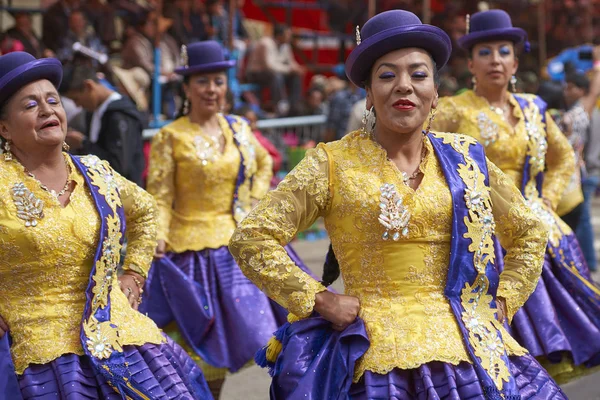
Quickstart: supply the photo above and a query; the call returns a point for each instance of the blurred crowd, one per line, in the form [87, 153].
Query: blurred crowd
[108, 50]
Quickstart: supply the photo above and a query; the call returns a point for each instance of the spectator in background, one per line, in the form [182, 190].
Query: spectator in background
[340, 108]
[138, 51]
[9, 45]
[135, 84]
[79, 32]
[314, 103]
[241, 38]
[56, 22]
[102, 18]
[115, 125]
[219, 21]
[23, 32]
[272, 64]
[580, 97]
[189, 21]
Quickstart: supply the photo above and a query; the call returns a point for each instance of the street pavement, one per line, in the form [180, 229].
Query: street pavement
[253, 382]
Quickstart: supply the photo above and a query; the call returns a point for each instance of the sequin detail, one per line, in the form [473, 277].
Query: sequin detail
[394, 215]
[488, 130]
[207, 149]
[29, 208]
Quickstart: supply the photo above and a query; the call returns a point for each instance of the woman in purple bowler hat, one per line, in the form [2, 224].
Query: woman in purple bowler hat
[206, 171]
[69, 325]
[412, 216]
[560, 323]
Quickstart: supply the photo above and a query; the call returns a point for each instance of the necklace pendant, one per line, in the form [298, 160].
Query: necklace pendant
[405, 178]
[53, 193]
[394, 215]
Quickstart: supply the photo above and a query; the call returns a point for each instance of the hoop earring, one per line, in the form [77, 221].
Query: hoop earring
[474, 82]
[513, 83]
[186, 107]
[66, 147]
[7, 153]
[431, 119]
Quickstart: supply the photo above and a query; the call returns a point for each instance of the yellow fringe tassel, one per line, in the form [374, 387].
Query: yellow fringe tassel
[274, 346]
[293, 318]
[273, 349]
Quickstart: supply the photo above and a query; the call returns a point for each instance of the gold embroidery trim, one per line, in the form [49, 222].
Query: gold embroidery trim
[103, 338]
[479, 316]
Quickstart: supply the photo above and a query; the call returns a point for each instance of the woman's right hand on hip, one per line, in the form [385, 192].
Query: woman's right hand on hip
[3, 328]
[339, 309]
[161, 247]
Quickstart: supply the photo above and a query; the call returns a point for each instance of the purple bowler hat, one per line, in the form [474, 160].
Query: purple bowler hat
[18, 69]
[394, 30]
[203, 57]
[487, 26]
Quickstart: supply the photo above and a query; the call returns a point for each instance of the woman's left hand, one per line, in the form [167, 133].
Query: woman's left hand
[130, 288]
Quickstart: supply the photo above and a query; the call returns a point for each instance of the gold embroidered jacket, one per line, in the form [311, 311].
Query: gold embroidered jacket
[45, 269]
[193, 182]
[400, 284]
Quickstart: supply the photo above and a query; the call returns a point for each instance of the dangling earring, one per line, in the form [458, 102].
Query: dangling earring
[186, 107]
[7, 153]
[513, 83]
[474, 82]
[365, 120]
[431, 118]
[66, 147]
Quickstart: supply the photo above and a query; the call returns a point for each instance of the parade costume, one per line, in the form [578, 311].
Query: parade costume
[560, 323]
[426, 279]
[197, 292]
[59, 262]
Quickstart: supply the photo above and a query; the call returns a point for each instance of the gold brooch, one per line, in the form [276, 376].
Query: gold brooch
[184, 55]
[358, 39]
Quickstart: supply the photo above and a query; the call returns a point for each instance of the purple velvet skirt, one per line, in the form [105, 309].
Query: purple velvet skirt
[163, 371]
[437, 380]
[221, 314]
[562, 316]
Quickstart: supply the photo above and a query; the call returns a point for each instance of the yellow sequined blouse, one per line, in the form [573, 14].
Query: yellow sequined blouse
[44, 269]
[400, 284]
[193, 182]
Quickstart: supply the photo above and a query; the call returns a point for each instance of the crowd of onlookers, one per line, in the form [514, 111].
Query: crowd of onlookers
[108, 49]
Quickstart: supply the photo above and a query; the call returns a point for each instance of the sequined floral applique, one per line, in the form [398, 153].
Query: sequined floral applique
[29, 208]
[102, 338]
[207, 149]
[394, 214]
[488, 130]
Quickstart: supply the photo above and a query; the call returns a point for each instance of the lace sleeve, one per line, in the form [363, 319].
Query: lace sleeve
[560, 162]
[140, 217]
[522, 235]
[261, 182]
[161, 180]
[258, 243]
